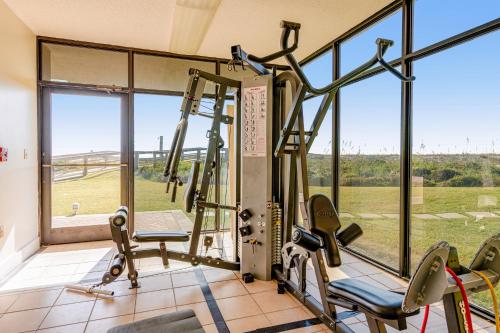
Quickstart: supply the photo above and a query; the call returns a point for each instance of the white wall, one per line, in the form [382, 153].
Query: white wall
[18, 132]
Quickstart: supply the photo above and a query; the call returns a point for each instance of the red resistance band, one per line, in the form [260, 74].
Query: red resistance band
[468, 316]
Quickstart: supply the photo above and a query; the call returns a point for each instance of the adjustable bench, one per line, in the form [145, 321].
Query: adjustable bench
[127, 253]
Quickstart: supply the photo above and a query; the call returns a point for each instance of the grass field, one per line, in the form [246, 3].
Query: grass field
[100, 193]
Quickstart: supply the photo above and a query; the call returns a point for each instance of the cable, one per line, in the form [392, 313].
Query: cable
[493, 297]
[460, 285]
[426, 317]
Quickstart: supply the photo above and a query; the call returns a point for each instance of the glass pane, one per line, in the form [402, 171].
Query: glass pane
[362, 47]
[369, 165]
[84, 125]
[155, 122]
[456, 164]
[438, 20]
[86, 157]
[171, 74]
[319, 158]
[63, 63]
[320, 70]
[84, 196]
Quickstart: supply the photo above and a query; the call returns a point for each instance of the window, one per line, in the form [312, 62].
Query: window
[155, 120]
[456, 161]
[319, 159]
[362, 47]
[369, 164]
[437, 20]
[63, 63]
[165, 73]
[320, 70]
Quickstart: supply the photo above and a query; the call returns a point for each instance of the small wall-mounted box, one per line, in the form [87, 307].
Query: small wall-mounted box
[3, 154]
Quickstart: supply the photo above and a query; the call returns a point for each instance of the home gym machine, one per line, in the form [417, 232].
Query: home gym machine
[291, 142]
[193, 197]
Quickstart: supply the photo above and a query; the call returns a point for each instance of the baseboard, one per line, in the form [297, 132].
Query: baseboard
[12, 262]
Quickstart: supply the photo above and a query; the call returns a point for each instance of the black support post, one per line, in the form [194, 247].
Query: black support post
[406, 144]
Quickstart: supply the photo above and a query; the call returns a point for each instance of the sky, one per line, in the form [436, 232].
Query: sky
[456, 96]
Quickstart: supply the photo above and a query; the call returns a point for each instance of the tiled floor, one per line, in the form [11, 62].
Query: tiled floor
[34, 300]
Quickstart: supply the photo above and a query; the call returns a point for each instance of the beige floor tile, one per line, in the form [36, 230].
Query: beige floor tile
[309, 329]
[113, 306]
[121, 288]
[201, 310]
[287, 316]
[74, 328]
[35, 300]
[184, 279]
[258, 286]
[6, 301]
[87, 267]
[188, 295]
[68, 314]
[101, 326]
[61, 270]
[270, 301]
[69, 296]
[247, 324]
[230, 288]
[365, 267]
[211, 328]
[216, 274]
[153, 313]
[155, 300]
[391, 282]
[360, 328]
[22, 321]
[238, 307]
[434, 320]
[153, 283]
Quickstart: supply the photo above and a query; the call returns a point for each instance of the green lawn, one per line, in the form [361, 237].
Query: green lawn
[100, 194]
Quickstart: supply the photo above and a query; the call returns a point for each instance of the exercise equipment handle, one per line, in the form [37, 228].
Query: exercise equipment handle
[90, 290]
[382, 46]
[287, 28]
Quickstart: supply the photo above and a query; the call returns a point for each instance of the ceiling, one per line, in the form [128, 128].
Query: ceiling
[201, 27]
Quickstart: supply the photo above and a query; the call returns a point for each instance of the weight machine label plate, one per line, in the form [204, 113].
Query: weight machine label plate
[254, 121]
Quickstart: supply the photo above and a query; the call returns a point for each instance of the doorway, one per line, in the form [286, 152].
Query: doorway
[84, 163]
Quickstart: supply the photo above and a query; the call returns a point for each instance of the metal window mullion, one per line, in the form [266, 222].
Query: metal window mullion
[130, 181]
[406, 144]
[336, 129]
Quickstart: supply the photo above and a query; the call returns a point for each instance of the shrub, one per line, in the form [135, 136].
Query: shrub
[444, 174]
[465, 181]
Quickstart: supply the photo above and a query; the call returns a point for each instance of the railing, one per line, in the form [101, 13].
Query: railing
[74, 166]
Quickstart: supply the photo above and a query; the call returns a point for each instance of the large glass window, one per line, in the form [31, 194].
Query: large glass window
[155, 120]
[319, 159]
[165, 73]
[362, 47]
[369, 164]
[456, 139]
[437, 20]
[63, 63]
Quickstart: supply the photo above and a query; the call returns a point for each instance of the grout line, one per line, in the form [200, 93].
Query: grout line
[47, 314]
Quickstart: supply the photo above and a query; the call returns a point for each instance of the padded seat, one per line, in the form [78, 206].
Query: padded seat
[379, 302]
[160, 236]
